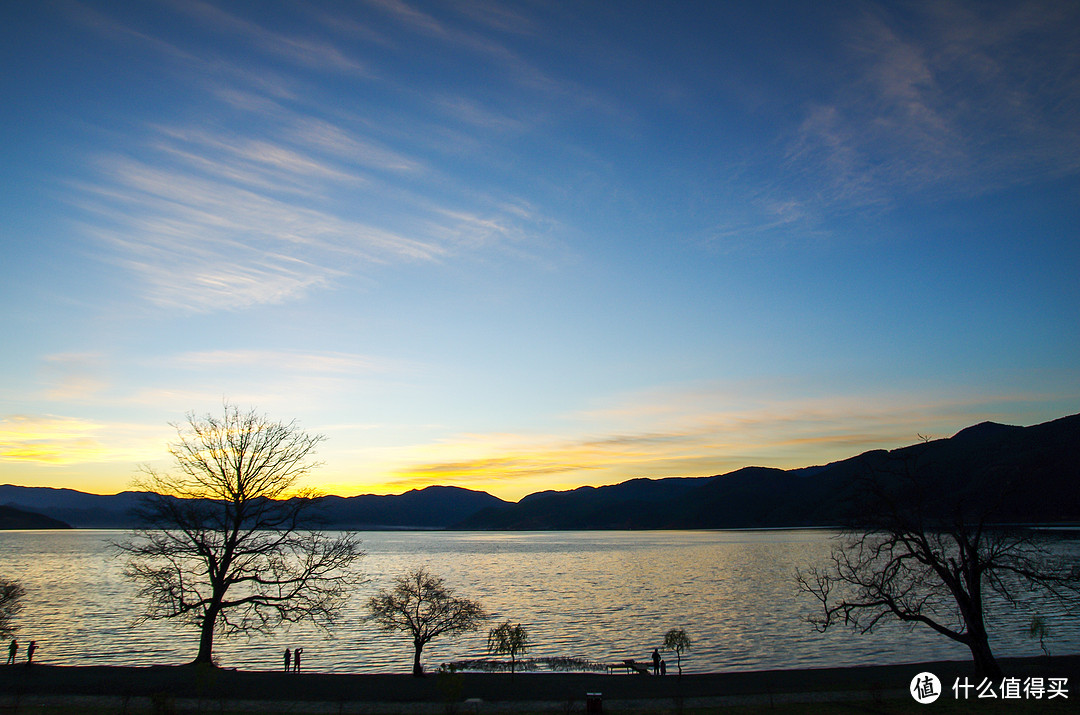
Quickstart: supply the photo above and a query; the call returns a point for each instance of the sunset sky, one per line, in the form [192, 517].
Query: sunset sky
[516, 246]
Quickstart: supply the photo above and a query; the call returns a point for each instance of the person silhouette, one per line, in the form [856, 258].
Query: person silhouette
[12, 650]
[296, 659]
[288, 659]
[656, 661]
[663, 667]
[30, 652]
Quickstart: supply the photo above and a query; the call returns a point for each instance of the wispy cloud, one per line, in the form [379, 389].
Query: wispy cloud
[270, 191]
[497, 15]
[498, 58]
[74, 377]
[56, 440]
[701, 451]
[331, 139]
[308, 384]
[695, 432]
[208, 232]
[952, 96]
[219, 73]
[316, 53]
[287, 361]
[761, 220]
[887, 129]
[476, 114]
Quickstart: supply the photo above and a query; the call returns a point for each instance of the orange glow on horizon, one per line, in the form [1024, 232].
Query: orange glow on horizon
[103, 458]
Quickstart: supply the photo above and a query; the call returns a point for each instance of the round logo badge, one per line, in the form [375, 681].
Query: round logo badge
[925, 688]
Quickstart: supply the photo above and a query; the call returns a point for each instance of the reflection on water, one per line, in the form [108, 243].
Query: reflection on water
[602, 596]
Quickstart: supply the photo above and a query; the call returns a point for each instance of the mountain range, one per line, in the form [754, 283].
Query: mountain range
[430, 508]
[1038, 466]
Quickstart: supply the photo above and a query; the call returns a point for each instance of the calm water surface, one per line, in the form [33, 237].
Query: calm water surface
[603, 596]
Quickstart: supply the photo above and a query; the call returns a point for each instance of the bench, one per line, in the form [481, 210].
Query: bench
[631, 666]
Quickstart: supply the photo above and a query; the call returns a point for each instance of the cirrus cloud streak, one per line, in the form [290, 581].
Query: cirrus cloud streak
[57, 440]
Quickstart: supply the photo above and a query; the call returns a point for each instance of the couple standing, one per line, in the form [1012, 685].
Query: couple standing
[13, 650]
[292, 660]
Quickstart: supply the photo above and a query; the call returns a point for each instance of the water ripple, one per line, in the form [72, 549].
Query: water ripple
[603, 596]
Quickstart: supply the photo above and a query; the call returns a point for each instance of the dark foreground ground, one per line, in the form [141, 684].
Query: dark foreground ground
[167, 689]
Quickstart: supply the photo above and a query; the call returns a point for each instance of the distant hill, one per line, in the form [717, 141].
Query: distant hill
[629, 505]
[430, 508]
[12, 518]
[1038, 468]
[81, 510]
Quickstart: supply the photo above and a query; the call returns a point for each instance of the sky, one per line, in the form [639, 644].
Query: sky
[517, 246]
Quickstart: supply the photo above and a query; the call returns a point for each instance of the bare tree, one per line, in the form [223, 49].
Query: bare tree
[511, 640]
[226, 544]
[11, 594]
[918, 555]
[423, 606]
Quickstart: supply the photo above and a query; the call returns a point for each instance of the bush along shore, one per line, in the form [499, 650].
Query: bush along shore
[527, 665]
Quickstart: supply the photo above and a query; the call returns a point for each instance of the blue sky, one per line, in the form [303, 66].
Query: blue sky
[516, 246]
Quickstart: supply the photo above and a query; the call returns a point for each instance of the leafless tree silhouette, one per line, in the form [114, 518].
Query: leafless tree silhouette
[227, 543]
[919, 555]
[11, 594]
[423, 606]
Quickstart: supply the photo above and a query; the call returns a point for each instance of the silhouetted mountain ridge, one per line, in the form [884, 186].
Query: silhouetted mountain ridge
[12, 518]
[986, 430]
[430, 508]
[1027, 474]
[434, 507]
[79, 509]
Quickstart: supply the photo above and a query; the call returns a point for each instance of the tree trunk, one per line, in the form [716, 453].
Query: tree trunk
[206, 636]
[985, 664]
[417, 669]
[977, 639]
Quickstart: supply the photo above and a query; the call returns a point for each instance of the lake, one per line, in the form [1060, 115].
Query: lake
[603, 596]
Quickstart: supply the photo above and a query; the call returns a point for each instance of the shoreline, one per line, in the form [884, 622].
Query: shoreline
[372, 529]
[116, 688]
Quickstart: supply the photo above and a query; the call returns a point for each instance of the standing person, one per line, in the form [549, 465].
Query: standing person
[12, 650]
[288, 660]
[296, 659]
[656, 661]
[30, 652]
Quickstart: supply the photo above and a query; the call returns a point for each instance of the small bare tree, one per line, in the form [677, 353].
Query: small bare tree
[423, 606]
[226, 544]
[918, 555]
[11, 594]
[511, 640]
[677, 640]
